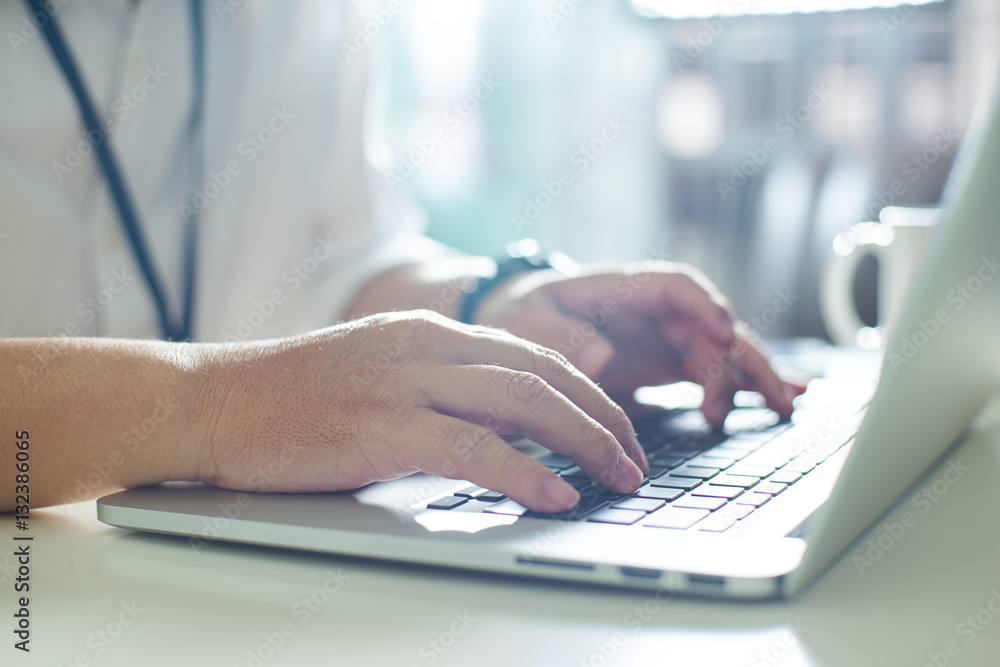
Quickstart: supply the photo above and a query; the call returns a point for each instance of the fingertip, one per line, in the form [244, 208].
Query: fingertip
[559, 495]
[594, 356]
[724, 327]
[629, 474]
[639, 458]
[716, 410]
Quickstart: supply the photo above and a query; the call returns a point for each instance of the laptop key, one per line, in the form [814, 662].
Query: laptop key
[799, 465]
[770, 488]
[784, 477]
[755, 499]
[751, 470]
[574, 471]
[446, 503]
[506, 507]
[736, 510]
[471, 491]
[700, 472]
[660, 493]
[589, 503]
[640, 504]
[711, 460]
[678, 518]
[700, 503]
[554, 460]
[742, 481]
[491, 497]
[666, 461]
[716, 523]
[619, 516]
[657, 470]
[713, 491]
[685, 453]
[669, 481]
[579, 483]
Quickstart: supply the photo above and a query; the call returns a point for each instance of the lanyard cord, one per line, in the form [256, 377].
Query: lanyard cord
[180, 331]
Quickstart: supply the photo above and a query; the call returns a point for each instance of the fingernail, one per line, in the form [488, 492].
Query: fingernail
[562, 495]
[629, 471]
[638, 455]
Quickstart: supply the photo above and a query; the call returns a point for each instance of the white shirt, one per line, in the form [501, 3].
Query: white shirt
[295, 219]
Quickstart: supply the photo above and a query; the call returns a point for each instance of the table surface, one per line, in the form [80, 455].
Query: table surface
[926, 594]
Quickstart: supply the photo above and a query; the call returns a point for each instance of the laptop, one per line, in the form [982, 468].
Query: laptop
[758, 510]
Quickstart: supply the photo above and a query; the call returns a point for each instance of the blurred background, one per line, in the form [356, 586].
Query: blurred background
[730, 134]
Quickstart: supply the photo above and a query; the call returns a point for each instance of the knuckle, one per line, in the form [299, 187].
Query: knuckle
[551, 363]
[424, 321]
[526, 388]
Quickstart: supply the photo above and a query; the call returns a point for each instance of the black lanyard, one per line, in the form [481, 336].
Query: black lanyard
[171, 329]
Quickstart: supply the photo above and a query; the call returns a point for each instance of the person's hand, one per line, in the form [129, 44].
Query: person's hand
[388, 395]
[637, 325]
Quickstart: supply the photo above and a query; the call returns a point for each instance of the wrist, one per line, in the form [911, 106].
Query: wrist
[525, 260]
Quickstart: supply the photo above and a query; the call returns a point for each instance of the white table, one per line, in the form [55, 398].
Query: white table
[104, 596]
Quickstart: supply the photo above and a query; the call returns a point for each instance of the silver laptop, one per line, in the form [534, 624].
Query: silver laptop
[757, 511]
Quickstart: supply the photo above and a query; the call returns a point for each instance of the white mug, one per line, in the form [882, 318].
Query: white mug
[897, 242]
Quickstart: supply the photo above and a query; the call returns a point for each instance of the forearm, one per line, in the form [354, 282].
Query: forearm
[436, 285]
[101, 415]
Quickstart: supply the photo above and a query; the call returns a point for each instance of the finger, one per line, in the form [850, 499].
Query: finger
[714, 367]
[756, 374]
[458, 449]
[578, 339]
[662, 291]
[517, 354]
[505, 400]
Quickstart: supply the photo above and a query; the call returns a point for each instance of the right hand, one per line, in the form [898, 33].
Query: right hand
[388, 395]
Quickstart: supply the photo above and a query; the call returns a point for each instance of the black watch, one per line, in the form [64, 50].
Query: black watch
[522, 256]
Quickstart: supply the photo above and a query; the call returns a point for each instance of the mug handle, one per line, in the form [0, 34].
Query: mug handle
[836, 303]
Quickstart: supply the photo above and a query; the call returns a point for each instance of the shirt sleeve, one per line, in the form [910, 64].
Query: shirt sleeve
[374, 224]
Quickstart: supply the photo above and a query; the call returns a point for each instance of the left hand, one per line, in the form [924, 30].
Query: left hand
[642, 324]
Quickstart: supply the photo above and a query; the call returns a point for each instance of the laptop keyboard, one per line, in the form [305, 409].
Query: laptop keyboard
[699, 479]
